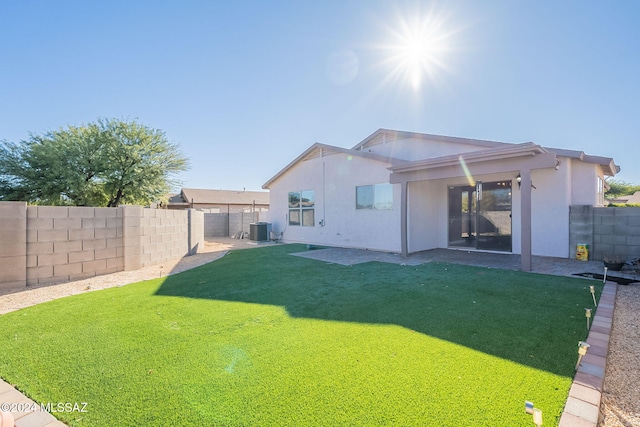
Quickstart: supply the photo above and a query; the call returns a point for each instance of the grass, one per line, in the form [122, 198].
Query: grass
[264, 338]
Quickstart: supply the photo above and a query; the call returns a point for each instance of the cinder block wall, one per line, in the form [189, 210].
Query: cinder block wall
[228, 224]
[580, 228]
[240, 222]
[42, 245]
[616, 232]
[196, 231]
[216, 224]
[608, 231]
[13, 245]
[165, 235]
[72, 243]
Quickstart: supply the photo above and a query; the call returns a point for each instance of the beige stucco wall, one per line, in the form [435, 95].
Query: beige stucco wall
[334, 179]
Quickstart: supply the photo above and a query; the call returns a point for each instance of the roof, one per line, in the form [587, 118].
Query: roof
[629, 199]
[502, 152]
[222, 197]
[388, 135]
[490, 150]
[321, 150]
[607, 164]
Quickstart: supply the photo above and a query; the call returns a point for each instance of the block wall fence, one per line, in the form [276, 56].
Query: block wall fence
[228, 224]
[42, 245]
[608, 231]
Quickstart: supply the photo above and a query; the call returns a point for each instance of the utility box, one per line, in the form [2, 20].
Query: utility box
[259, 231]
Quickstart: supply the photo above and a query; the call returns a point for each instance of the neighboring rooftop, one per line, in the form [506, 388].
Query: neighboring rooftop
[633, 199]
[197, 196]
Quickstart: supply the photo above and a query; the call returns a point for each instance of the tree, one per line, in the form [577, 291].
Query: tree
[620, 188]
[106, 163]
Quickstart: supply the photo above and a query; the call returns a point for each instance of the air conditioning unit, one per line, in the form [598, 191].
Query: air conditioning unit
[259, 231]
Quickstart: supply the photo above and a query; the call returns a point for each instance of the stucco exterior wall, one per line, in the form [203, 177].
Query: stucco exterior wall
[334, 179]
[584, 183]
[337, 222]
[550, 200]
[424, 214]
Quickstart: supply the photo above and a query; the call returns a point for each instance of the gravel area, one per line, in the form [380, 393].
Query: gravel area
[36, 295]
[620, 405]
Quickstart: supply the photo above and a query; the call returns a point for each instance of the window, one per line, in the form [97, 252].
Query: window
[378, 196]
[600, 191]
[302, 208]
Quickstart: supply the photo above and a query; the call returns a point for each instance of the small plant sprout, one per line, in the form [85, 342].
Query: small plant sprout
[592, 289]
[587, 312]
[582, 350]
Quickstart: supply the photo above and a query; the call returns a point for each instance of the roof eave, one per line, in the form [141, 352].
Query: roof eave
[501, 153]
[442, 138]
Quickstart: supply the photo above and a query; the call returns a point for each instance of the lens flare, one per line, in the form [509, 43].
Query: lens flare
[467, 173]
[417, 47]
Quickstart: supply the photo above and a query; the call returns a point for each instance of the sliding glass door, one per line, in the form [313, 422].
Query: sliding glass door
[480, 216]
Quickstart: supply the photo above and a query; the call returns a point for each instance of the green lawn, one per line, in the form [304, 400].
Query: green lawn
[262, 338]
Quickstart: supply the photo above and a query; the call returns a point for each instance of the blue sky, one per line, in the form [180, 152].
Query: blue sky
[246, 86]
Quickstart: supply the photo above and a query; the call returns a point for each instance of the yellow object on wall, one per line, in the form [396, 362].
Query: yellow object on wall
[582, 252]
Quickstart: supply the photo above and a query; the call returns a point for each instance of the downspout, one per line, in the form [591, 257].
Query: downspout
[403, 219]
[324, 211]
[525, 220]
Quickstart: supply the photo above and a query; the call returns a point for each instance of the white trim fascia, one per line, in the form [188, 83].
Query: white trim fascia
[514, 150]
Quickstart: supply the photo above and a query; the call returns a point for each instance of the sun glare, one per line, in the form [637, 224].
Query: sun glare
[417, 47]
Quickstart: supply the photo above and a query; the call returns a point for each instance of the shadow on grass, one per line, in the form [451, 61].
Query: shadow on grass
[531, 319]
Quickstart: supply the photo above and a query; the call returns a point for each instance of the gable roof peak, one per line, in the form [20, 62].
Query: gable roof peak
[383, 135]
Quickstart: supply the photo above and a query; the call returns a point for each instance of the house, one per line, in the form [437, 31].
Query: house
[408, 192]
[220, 201]
[633, 199]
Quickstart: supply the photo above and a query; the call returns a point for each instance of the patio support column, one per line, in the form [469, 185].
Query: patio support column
[403, 219]
[525, 220]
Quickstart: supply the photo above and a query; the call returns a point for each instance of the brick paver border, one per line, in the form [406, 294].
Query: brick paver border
[583, 405]
[30, 417]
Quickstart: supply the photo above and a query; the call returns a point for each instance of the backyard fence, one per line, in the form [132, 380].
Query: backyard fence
[609, 232]
[228, 224]
[42, 245]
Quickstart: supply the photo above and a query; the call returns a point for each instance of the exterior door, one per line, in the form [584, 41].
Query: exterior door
[462, 216]
[480, 216]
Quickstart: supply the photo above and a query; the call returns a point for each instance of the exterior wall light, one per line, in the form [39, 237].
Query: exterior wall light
[582, 350]
[519, 180]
